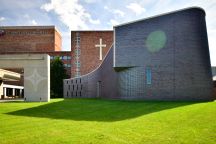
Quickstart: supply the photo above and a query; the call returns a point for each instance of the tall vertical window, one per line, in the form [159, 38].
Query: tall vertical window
[148, 75]
[77, 54]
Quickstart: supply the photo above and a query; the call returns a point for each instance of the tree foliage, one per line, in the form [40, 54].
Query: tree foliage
[57, 74]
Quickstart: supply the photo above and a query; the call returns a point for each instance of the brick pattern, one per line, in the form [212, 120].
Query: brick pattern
[28, 40]
[100, 83]
[180, 71]
[213, 70]
[89, 54]
[38, 40]
[58, 41]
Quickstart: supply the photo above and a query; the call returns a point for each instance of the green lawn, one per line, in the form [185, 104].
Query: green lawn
[95, 121]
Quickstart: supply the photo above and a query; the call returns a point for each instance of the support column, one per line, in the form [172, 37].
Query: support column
[1, 88]
[5, 91]
[20, 92]
[13, 94]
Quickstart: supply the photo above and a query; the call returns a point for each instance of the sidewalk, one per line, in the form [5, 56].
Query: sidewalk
[11, 100]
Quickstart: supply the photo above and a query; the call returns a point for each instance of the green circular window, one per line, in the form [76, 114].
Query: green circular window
[156, 40]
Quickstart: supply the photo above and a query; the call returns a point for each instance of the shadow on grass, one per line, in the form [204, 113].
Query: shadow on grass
[96, 109]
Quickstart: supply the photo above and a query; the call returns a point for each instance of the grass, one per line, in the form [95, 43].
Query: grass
[95, 121]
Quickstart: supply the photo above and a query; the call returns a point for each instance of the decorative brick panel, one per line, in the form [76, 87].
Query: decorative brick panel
[89, 54]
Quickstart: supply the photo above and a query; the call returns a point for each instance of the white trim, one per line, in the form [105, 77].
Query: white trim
[10, 72]
[56, 29]
[12, 86]
[167, 13]
[92, 31]
[114, 47]
[22, 58]
[31, 27]
[27, 27]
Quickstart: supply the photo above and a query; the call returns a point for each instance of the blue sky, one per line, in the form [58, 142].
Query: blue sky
[69, 15]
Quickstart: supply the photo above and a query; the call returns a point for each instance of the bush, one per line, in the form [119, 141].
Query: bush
[57, 74]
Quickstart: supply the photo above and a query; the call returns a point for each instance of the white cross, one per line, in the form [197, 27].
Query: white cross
[100, 46]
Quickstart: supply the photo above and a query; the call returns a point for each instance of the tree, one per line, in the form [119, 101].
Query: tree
[57, 74]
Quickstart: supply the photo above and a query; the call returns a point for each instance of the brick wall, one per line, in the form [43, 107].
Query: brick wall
[179, 71]
[33, 39]
[58, 41]
[27, 38]
[89, 54]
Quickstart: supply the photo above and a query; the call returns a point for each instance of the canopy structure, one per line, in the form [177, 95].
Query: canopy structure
[6, 75]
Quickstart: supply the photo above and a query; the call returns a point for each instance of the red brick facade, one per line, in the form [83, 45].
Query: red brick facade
[34, 39]
[86, 59]
[47, 39]
[29, 38]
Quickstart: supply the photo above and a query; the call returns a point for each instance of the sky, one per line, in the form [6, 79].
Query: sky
[69, 15]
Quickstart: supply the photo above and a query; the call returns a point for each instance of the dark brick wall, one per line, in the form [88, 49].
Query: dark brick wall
[87, 85]
[180, 70]
[213, 70]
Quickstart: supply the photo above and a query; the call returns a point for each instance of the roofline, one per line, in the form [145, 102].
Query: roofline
[27, 27]
[163, 14]
[24, 52]
[58, 31]
[31, 27]
[91, 30]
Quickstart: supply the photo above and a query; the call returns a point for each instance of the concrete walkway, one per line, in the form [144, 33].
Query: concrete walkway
[11, 100]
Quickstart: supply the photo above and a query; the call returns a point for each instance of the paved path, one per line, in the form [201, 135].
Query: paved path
[11, 100]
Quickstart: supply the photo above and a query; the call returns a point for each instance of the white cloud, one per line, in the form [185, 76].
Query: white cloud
[29, 20]
[136, 8]
[208, 5]
[115, 11]
[71, 13]
[2, 19]
[113, 22]
[26, 16]
[33, 22]
[119, 12]
[96, 22]
[48, 7]
[106, 7]
[91, 1]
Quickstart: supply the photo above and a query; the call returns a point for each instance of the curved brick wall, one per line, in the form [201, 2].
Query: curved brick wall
[173, 47]
[87, 85]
